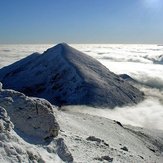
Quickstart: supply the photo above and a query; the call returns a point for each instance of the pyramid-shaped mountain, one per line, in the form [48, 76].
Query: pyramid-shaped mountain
[66, 76]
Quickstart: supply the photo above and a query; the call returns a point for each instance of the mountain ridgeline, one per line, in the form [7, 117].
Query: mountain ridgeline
[66, 76]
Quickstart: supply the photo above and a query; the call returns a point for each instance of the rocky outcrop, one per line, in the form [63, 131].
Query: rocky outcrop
[66, 76]
[31, 116]
[127, 77]
[63, 151]
[12, 148]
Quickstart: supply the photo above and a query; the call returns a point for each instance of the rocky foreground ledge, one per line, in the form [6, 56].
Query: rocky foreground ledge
[29, 130]
[32, 116]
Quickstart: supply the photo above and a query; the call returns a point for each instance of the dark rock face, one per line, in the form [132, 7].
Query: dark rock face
[93, 138]
[124, 148]
[104, 158]
[66, 76]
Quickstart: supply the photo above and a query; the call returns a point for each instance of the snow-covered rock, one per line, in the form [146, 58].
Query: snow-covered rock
[14, 149]
[65, 76]
[5, 123]
[11, 147]
[31, 116]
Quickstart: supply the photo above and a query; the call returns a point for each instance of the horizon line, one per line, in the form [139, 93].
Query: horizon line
[161, 44]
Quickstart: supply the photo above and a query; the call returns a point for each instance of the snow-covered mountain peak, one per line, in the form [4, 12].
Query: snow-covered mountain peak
[66, 76]
[61, 47]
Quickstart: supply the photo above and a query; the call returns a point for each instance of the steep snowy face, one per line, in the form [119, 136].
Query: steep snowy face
[31, 116]
[66, 76]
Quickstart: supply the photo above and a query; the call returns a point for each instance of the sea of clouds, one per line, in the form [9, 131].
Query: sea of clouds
[143, 63]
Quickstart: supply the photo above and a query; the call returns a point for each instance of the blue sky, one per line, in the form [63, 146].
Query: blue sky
[81, 21]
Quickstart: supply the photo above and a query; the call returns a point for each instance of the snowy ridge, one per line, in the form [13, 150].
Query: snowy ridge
[66, 76]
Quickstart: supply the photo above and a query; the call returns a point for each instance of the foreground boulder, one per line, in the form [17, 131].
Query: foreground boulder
[14, 149]
[31, 116]
[66, 76]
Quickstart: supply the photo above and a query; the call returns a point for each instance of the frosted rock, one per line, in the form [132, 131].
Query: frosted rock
[5, 123]
[32, 116]
[12, 148]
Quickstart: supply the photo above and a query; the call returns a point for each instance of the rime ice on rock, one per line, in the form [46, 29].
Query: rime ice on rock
[32, 116]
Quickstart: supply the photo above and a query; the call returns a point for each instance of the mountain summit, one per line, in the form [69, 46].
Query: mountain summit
[66, 76]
